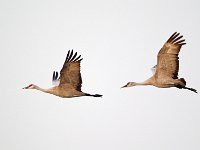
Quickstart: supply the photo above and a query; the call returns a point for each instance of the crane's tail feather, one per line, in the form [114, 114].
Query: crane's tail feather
[95, 95]
[191, 89]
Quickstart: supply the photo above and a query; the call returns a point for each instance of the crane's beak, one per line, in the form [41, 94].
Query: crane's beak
[124, 86]
[25, 88]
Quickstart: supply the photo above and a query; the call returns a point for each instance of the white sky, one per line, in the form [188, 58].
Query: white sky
[119, 41]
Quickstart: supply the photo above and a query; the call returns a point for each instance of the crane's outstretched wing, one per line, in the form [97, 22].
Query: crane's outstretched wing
[70, 72]
[167, 58]
[55, 79]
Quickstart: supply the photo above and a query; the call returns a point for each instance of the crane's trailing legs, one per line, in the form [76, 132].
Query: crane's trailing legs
[95, 95]
[191, 89]
[181, 84]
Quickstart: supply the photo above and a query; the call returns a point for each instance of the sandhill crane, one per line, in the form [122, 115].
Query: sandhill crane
[69, 82]
[166, 70]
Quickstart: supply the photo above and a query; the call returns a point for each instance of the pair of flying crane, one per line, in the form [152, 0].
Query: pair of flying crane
[69, 83]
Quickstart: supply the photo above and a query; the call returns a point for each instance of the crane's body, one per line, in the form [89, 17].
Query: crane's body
[69, 83]
[166, 70]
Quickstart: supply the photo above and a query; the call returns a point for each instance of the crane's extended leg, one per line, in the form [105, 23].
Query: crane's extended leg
[95, 95]
[191, 89]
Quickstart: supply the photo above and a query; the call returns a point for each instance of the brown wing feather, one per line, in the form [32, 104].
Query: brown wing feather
[70, 73]
[167, 59]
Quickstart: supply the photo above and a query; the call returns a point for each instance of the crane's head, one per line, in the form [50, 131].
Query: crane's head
[129, 84]
[31, 86]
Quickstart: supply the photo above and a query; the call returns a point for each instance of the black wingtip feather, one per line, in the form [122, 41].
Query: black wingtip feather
[78, 58]
[56, 77]
[53, 76]
[172, 36]
[176, 39]
[71, 54]
[72, 57]
[67, 55]
[180, 42]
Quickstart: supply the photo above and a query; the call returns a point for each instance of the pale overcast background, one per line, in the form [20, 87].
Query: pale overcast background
[119, 41]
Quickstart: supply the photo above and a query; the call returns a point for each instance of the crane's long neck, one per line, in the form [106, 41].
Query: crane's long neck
[146, 82]
[142, 83]
[43, 90]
